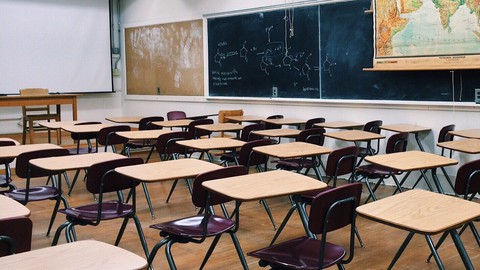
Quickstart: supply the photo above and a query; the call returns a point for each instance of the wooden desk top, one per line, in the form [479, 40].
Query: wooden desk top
[173, 123]
[221, 127]
[292, 150]
[9, 208]
[263, 185]
[339, 125]
[467, 133]
[245, 118]
[143, 134]
[405, 128]
[285, 121]
[411, 160]
[168, 170]
[81, 255]
[84, 128]
[15, 150]
[125, 119]
[278, 132]
[57, 125]
[73, 162]
[354, 135]
[469, 146]
[212, 143]
[421, 211]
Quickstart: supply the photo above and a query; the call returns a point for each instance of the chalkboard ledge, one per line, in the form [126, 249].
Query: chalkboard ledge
[420, 68]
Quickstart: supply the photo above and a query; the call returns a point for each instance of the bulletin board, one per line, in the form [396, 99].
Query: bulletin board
[165, 59]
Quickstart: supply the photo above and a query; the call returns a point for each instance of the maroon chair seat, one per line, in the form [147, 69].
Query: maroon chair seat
[24, 170]
[88, 213]
[197, 228]
[331, 210]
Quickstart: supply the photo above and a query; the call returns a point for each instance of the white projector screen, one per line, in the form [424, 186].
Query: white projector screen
[62, 45]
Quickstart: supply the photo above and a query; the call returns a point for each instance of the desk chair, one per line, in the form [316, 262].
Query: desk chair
[85, 136]
[30, 114]
[176, 115]
[369, 150]
[312, 121]
[331, 210]
[30, 193]
[144, 124]
[445, 136]
[396, 143]
[102, 180]
[273, 126]
[196, 229]
[107, 137]
[15, 235]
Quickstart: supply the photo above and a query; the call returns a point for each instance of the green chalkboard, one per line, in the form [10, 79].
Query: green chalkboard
[316, 52]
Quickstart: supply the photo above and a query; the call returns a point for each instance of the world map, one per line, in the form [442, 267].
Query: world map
[426, 32]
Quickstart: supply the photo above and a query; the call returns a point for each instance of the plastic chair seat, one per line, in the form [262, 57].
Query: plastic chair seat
[228, 157]
[307, 197]
[192, 227]
[294, 164]
[300, 253]
[39, 193]
[375, 171]
[110, 210]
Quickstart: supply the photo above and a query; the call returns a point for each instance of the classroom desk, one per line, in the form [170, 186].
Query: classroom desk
[355, 136]
[339, 125]
[469, 146]
[84, 128]
[81, 255]
[466, 133]
[125, 119]
[205, 145]
[149, 134]
[60, 164]
[203, 116]
[409, 128]
[52, 99]
[57, 126]
[245, 118]
[222, 127]
[278, 132]
[183, 123]
[10, 140]
[9, 208]
[412, 161]
[424, 212]
[15, 150]
[286, 121]
[295, 150]
[264, 185]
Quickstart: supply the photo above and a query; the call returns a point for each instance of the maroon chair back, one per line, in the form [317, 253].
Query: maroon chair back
[166, 143]
[23, 162]
[467, 181]
[107, 135]
[101, 177]
[325, 212]
[373, 126]
[312, 135]
[397, 143]
[341, 161]
[84, 136]
[273, 126]
[247, 157]
[199, 193]
[310, 122]
[176, 115]
[145, 123]
[15, 235]
[247, 136]
[444, 135]
[196, 132]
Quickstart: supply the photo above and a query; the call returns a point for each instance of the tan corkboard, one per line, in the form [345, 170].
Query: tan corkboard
[167, 56]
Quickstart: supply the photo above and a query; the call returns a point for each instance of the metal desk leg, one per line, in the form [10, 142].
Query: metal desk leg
[461, 250]
[419, 142]
[401, 249]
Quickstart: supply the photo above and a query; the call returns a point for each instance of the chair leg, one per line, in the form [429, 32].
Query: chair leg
[265, 205]
[239, 250]
[284, 222]
[121, 231]
[155, 250]
[54, 214]
[73, 182]
[58, 232]
[210, 250]
[141, 235]
[168, 253]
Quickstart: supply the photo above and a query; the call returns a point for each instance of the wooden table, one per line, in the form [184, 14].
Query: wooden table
[409, 128]
[15, 150]
[222, 127]
[183, 123]
[205, 145]
[295, 150]
[57, 126]
[412, 161]
[9, 208]
[125, 119]
[84, 128]
[245, 118]
[424, 212]
[339, 125]
[469, 146]
[286, 121]
[81, 255]
[264, 185]
[467, 133]
[354, 135]
[52, 99]
[149, 134]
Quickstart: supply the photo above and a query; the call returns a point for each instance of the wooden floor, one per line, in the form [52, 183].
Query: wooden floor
[256, 231]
